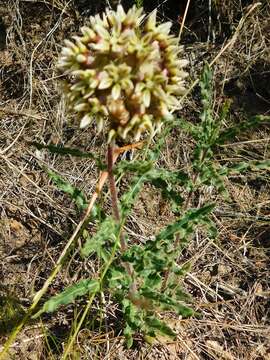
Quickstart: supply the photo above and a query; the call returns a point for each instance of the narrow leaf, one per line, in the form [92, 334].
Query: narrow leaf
[128, 198]
[160, 326]
[192, 216]
[233, 131]
[61, 150]
[69, 295]
[106, 233]
[76, 194]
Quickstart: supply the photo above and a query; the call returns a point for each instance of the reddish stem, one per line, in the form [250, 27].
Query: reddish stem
[113, 192]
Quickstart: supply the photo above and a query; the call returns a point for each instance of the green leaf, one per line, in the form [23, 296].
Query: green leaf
[167, 302]
[106, 234]
[184, 310]
[166, 181]
[192, 216]
[76, 194]
[61, 150]
[69, 295]
[209, 127]
[253, 165]
[139, 167]
[160, 326]
[210, 175]
[233, 131]
[187, 126]
[128, 333]
[132, 314]
[181, 270]
[173, 177]
[260, 165]
[128, 198]
[154, 153]
[225, 110]
[118, 280]
[152, 281]
[169, 194]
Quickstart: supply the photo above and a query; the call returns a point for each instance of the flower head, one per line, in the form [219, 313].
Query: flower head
[124, 71]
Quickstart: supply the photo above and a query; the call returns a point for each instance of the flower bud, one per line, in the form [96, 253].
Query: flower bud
[125, 71]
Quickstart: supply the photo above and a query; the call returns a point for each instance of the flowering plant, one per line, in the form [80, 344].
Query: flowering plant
[126, 69]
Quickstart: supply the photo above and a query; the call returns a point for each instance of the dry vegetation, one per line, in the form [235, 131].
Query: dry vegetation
[229, 279]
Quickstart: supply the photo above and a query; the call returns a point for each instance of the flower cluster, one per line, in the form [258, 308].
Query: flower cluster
[125, 72]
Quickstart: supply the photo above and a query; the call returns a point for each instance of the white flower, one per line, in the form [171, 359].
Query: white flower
[124, 70]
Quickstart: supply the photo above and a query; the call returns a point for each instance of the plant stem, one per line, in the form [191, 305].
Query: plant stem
[112, 155]
[116, 214]
[113, 191]
[83, 222]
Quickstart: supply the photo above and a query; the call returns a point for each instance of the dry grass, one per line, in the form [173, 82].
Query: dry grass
[229, 279]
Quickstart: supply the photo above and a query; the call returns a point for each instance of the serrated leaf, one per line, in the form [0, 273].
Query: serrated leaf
[106, 234]
[132, 314]
[69, 295]
[61, 150]
[139, 167]
[184, 310]
[245, 166]
[154, 153]
[181, 270]
[193, 130]
[75, 193]
[211, 176]
[167, 302]
[160, 326]
[129, 197]
[118, 280]
[152, 280]
[167, 187]
[194, 215]
[173, 177]
[128, 333]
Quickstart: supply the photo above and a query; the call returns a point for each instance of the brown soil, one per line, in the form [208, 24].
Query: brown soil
[229, 280]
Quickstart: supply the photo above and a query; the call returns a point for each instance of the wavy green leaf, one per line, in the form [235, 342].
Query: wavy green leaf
[62, 150]
[192, 216]
[106, 234]
[75, 193]
[69, 295]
